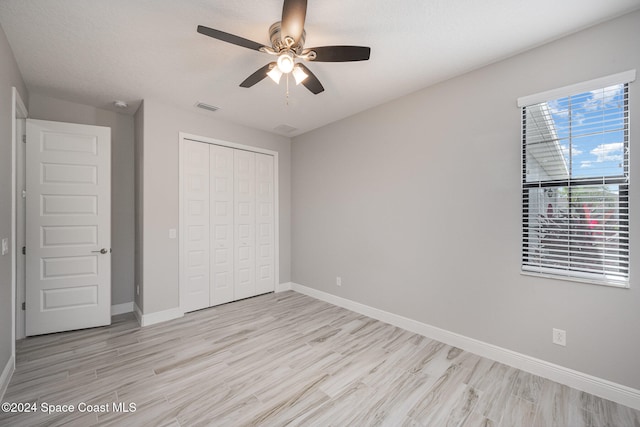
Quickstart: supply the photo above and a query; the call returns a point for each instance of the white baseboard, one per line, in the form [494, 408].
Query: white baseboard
[126, 307]
[282, 287]
[597, 386]
[157, 317]
[7, 372]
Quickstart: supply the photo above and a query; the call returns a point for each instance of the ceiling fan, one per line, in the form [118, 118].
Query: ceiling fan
[287, 44]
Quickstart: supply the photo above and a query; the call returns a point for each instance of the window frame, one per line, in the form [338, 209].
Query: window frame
[623, 181]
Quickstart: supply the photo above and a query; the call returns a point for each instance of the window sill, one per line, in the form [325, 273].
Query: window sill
[587, 278]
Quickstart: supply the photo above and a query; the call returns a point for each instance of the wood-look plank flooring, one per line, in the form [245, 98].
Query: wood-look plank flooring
[285, 359]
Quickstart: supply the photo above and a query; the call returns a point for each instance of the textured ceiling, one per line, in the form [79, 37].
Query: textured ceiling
[97, 51]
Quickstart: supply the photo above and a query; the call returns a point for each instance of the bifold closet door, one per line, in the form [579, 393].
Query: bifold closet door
[222, 224]
[265, 224]
[228, 225]
[245, 223]
[195, 293]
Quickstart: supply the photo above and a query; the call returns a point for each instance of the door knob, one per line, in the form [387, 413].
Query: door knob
[102, 251]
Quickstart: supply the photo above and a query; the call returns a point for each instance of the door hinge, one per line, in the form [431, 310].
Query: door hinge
[24, 306]
[24, 139]
[24, 250]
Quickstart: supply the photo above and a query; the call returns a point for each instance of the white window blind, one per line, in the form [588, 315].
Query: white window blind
[575, 186]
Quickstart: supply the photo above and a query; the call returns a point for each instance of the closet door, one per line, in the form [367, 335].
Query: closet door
[222, 228]
[195, 292]
[245, 222]
[265, 218]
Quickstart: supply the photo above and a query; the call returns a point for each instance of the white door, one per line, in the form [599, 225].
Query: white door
[68, 227]
[265, 219]
[245, 223]
[228, 224]
[195, 291]
[222, 248]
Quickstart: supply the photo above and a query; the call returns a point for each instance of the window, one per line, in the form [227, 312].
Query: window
[575, 182]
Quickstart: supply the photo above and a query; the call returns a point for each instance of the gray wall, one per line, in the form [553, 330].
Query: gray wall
[122, 180]
[162, 124]
[417, 205]
[9, 77]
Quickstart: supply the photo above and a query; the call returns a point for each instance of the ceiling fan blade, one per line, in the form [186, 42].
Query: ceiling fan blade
[294, 13]
[340, 53]
[311, 82]
[229, 38]
[258, 75]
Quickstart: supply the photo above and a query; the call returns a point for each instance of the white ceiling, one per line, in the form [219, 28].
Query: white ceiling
[98, 51]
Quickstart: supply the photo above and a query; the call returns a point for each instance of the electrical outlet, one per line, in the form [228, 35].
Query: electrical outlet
[338, 281]
[5, 246]
[559, 337]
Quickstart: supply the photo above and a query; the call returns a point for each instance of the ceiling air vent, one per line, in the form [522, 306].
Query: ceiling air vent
[206, 106]
[285, 129]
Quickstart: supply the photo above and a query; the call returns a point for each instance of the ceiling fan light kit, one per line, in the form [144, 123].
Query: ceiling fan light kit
[285, 61]
[275, 74]
[287, 43]
[299, 74]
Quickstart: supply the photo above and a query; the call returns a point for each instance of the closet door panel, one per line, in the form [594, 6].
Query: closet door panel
[222, 224]
[265, 217]
[196, 216]
[245, 223]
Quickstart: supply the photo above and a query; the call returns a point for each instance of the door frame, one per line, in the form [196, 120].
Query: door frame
[276, 226]
[18, 112]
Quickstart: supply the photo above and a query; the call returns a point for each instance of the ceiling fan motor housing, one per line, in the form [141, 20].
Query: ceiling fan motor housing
[275, 35]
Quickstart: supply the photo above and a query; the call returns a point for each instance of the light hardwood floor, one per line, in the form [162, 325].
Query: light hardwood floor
[285, 359]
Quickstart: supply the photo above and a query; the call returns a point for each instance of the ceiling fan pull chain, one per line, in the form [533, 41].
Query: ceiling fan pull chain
[287, 100]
